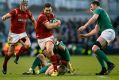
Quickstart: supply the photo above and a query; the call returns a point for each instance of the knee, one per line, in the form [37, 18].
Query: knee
[95, 48]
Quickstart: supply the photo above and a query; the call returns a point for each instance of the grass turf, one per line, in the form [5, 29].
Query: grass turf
[85, 69]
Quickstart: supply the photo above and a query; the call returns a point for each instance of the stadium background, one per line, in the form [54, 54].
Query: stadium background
[73, 14]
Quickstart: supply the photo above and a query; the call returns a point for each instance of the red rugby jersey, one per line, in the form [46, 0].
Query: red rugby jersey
[41, 30]
[18, 20]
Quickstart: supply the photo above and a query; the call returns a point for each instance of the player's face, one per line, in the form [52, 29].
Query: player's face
[48, 10]
[92, 7]
[24, 7]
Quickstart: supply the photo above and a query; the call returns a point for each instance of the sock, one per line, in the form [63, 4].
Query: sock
[43, 69]
[69, 66]
[102, 55]
[22, 49]
[101, 61]
[53, 59]
[36, 63]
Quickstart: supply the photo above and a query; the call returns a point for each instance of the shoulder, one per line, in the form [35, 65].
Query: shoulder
[42, 16]
[97, 11]
[14, 11]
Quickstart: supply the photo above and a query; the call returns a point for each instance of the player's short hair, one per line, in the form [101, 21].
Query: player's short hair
[24, 2]
[96, 3]
[62, 69]
[47, 5]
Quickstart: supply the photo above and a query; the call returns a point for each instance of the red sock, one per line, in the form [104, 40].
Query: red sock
[53, 59]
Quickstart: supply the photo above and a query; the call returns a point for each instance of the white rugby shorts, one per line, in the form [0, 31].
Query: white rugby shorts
[14, 38]
[42, 42]
[108, 35]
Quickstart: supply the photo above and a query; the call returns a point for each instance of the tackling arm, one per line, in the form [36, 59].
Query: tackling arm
[91, 20]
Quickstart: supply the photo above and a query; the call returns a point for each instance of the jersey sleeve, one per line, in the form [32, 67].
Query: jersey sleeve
[42, 19]
[13, 12]
[97, 11]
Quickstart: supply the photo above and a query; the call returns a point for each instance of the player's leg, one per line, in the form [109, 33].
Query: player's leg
[36, 62]
[53, 58]
[95, 49]
[106, 37]
[7, 57]
[101, 56]
[26, 44]
[39, 61]
[49, 69]
[43, 69]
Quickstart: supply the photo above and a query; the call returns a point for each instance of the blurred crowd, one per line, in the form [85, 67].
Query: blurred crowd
[68, 34]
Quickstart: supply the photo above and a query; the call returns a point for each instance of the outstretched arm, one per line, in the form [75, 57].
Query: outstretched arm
[90, 21]
[6, 16]
[94, 31]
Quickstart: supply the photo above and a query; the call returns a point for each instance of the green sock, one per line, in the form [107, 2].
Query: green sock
[101, 61]
[36, 63]
[102, 55]
[43, 69]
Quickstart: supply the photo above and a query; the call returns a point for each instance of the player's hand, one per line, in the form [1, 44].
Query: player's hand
[58, 22]
[81, 29]
[83, 35]
[3, 18]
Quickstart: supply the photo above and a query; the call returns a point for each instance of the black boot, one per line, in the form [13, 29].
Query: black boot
[110, 67]
[4, 71]
[16, 60]
[102, 72]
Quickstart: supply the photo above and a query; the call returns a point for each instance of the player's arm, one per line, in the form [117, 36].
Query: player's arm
[33, 21]
[32, 18]
[52, 25]
[92, 32]
[6, 16]
[90, 21]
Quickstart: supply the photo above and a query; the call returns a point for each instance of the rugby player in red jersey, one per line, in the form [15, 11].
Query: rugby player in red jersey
[17, 32]
[44, 34]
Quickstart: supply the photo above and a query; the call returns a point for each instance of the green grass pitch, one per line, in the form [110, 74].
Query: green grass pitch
[85, 69]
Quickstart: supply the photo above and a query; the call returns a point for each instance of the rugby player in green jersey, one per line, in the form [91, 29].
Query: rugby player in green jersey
[103, 25]
[63, 58]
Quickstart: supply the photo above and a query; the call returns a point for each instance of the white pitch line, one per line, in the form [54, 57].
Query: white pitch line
[103, 76]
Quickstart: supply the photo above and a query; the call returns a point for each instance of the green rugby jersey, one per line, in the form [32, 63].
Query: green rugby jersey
[103, 20]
